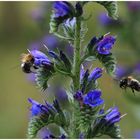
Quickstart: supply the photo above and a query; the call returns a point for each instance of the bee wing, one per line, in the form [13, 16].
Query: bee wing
[14, 67]
[116, 79]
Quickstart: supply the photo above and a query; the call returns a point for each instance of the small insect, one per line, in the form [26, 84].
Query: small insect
[28, 63]
[131, 83]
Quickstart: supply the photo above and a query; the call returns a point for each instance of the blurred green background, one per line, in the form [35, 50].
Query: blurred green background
[18, 29]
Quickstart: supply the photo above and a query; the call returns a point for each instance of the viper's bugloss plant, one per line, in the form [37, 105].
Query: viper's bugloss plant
[86, 117]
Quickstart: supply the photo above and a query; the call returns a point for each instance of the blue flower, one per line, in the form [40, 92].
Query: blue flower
[35, 45]
[93, 99]
[61, 95]
[81, 136]
[37, 108]
[51, 41]
[136, 134]
[79, 8]
[40, 58]
[93, 42]
[69, 50]
[39, 55]
[31, 77]
[136, 68]
[78, 96]
[104, 19]
[70, 23]
[49, 136]
[62, 9]
[121, 72]
[95, 74]
[53, 54]
[45, 133]
[133, 6]
[113, 116]
[105, 45]
[62, 136]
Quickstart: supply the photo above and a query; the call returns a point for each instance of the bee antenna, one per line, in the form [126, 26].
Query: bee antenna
[46, 47]
[28, 50]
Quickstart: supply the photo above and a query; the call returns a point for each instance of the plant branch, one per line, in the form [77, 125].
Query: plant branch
[77, 51]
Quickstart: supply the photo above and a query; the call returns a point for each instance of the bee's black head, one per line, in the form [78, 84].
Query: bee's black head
[123, 83]
[26, 67]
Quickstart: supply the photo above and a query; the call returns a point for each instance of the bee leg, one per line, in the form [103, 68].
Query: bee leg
[125, 89]
[133, 91]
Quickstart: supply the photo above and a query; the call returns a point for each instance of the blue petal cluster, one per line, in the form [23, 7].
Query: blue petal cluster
[70, 23]
[88, 80]
[51, 41]
[62, 9]
[105, 45]
[61, 95]
[136, 134]
[121, 71]
[40, 58]
[113, 116]
[38, 109]
[104, 19]
[95, 74]
[93, 99]
[50, 136]
[133, 6]
[79, 9]
[78, 96]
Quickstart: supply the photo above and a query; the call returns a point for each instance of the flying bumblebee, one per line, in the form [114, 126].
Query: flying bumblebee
[28, 63]
[131, 83]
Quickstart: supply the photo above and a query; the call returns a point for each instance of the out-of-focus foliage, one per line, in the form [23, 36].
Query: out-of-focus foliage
[25, 25]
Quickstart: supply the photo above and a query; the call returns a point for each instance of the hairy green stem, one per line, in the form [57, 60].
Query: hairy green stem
[76, 73]
[77, 51]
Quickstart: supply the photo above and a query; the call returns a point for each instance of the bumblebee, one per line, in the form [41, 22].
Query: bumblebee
[28, 63]
[131, 83]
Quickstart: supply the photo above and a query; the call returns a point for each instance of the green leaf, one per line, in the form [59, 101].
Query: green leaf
[109, 62]
[111, 7]
[42, 77]
[54, 24]
[84, 118]
[60, 118]
[66, 62]
[114, 132]
[35, 124]
[90, 58]
[61, 62]
[69, 29]
[84, 81]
